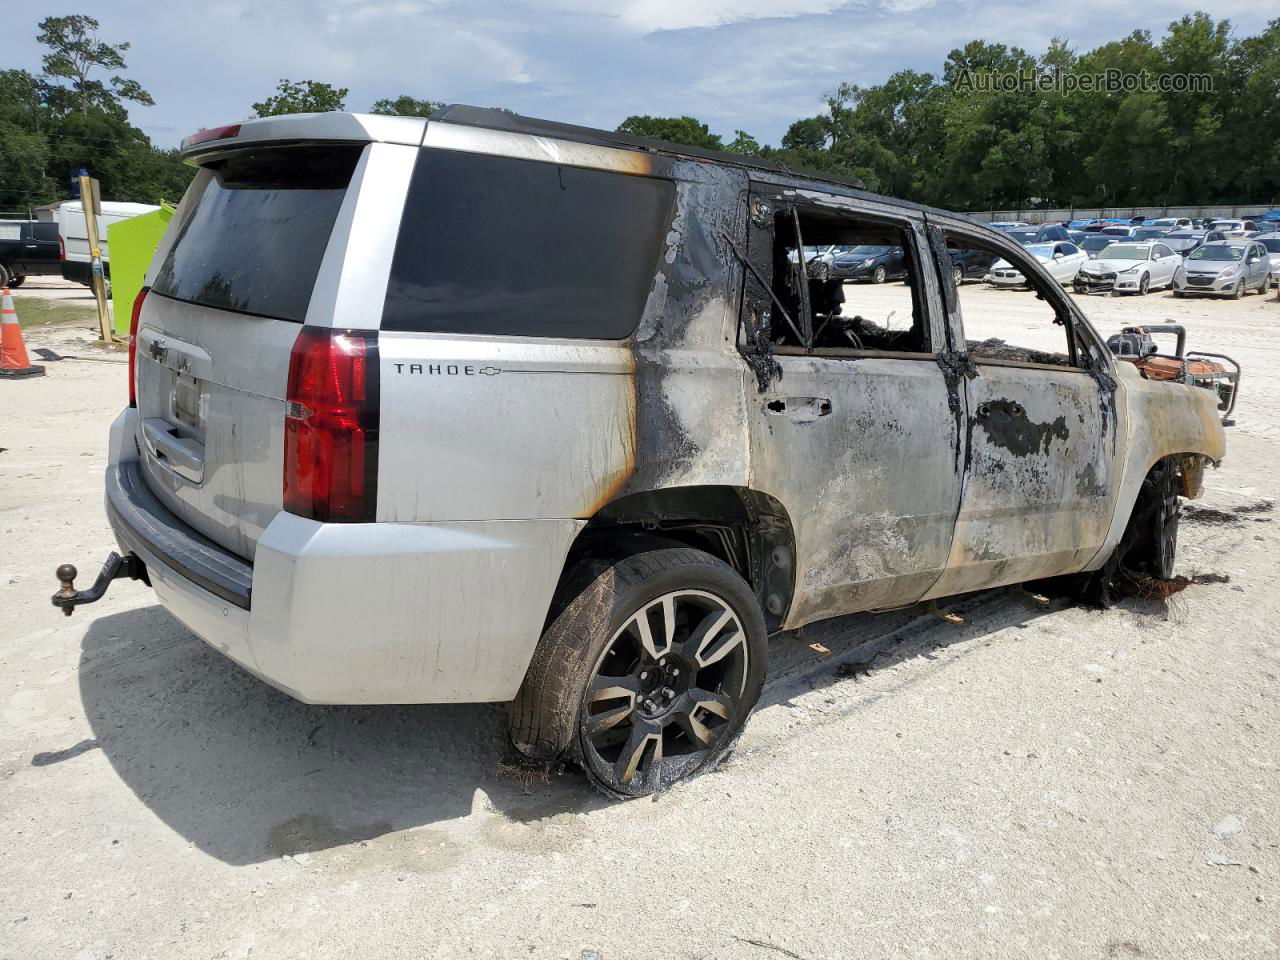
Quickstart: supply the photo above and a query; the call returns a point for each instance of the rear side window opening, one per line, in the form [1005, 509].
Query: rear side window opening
[254, 241]
[498, 246]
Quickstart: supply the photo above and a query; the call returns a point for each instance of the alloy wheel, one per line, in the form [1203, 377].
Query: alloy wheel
[669, 683]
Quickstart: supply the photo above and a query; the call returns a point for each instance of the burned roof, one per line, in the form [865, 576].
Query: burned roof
[494, 119]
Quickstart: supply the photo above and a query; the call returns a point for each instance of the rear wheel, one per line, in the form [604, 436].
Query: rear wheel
[4, 275]
[647, 675]
[16, 281]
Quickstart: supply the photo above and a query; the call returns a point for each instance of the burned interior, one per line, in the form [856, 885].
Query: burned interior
[816, 312]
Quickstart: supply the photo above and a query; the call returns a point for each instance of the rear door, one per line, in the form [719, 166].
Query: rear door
[231, 285]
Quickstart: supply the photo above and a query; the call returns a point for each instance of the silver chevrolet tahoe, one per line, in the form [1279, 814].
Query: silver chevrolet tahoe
[485, 408]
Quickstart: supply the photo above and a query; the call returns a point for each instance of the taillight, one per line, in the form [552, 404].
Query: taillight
[331, 426]
[212, 133]
[62, 248]
[133, 344]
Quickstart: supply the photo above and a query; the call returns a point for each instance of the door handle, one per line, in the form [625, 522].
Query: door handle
[799, 409]
[183, 457]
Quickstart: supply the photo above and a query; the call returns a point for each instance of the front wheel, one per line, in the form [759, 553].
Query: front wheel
[1238, 292]
[5, 276]
[1144, 285]
[957, 276]
[879, 275]
[647, 675]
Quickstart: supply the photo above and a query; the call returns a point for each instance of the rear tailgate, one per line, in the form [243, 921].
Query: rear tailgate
[216, 330]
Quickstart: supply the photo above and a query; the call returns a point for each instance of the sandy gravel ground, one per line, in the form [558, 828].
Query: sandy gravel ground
[1037, 783]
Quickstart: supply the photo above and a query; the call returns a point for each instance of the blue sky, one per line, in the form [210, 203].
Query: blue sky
[750, 64]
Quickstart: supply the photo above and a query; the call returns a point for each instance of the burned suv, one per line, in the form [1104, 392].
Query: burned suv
[484, 408]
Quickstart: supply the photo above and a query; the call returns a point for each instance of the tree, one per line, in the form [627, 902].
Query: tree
[811, 133]
[744, 143]
[76, 52]
[309, 96]
[406, 106]
[685, 130]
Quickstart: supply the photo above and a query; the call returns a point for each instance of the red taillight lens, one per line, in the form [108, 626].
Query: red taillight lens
[331, 426]
[133, 344]
[62, 248]
[213, 133]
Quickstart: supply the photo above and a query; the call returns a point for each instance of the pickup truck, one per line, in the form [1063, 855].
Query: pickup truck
[28, 247]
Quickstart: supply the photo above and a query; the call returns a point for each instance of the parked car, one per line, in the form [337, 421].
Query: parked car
[1007, 224]
[1272, 242]
[1183, 242]
[1045, 233]
[592, 471]
[872, 263]
[1146, 234]
[1170, 223]
[1062, 260]
[1103, 222]
[28, 247]
[970, 264]
[1095, 243]
[69, 217]
[1129, 268]
[1232, 229]
[1116, 230]
[1077, 236]
[1226, 267]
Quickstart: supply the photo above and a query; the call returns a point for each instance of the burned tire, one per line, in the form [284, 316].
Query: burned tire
[647, 674]
[1146, 551]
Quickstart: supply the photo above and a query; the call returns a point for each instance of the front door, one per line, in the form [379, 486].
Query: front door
[853, 424]
[1041, 477]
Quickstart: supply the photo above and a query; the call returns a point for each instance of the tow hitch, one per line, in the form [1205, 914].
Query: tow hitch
[116, 568]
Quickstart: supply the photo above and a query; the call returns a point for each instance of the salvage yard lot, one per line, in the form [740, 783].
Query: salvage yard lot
[1038, 782]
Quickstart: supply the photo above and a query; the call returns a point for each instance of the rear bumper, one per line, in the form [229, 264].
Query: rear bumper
[353, 613]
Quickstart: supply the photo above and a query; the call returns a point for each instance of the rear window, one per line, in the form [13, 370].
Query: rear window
[44, 231]
[254, 240]
[492, 245]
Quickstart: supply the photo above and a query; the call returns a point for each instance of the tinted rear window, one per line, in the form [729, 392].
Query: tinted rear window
[45, 231]
[492, 245]
[254, 240]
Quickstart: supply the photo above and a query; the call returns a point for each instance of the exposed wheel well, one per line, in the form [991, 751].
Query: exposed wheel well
[748, 530]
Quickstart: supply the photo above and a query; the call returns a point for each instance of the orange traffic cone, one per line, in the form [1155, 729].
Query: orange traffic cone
[13, 352]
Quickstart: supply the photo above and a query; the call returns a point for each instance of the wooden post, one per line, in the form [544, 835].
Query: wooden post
[92, 204]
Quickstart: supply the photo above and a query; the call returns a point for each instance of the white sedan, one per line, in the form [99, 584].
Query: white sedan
[1129, 268]
[1063, 261]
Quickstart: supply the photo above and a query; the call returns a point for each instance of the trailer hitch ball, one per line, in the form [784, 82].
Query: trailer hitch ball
[66, 574]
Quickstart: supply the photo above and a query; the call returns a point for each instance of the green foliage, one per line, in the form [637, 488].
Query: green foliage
[406, 106]
[944, 139]
[75, 52]
[74, 116]
[309, 96]
[684, 130]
